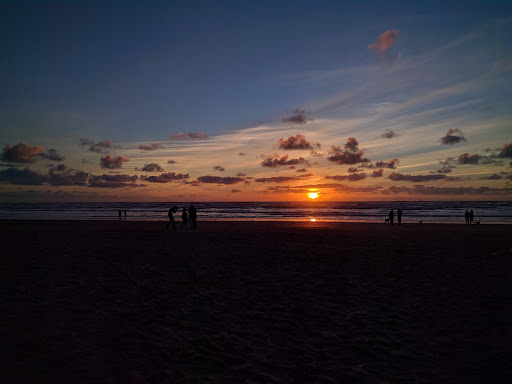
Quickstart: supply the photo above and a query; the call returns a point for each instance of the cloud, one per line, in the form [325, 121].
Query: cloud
[166, 177]
[446, 169]
[414, 178]
[113, 181]
[198, 136]
[506, 151]
[277, 179]
[22, 176]
[384, 41]
[179, 136]
[60, 179]
[21, 153]
[494, 176]
[429, 190]
[151, 147]
[96, 147]
[466, 158]
[235, 191]
[242, 154]
[351, 177]
[298, 116]
[296, 142]
[316, 154]
[351, 154]
[52, 155]
[391, 164]
[219, 180]
[273, 161]
[218, 168]
[111, 162]
[453, 136]
[352, 170]
[301, 170]
[240, 174]
[377, 173]
[152, 167]
[171, 162]
[389, 134]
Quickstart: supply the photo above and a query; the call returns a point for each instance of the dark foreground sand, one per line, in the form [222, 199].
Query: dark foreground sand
[126, 302]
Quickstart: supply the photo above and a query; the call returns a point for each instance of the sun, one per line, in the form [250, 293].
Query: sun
[313, 195]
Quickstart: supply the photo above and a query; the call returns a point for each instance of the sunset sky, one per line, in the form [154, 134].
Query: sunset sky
[255, 101]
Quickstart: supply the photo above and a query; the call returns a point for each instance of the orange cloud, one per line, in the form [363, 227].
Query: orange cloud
[384, 41]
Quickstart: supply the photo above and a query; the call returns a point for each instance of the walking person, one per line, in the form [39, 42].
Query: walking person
[399, 214]
[171, 218]
[466, 215]
[391, 217]
[119, 212]
[471, 216]
[184, 218]
[192, 215]
[125, 214]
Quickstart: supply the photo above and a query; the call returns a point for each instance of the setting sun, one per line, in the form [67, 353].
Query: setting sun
[313, 195]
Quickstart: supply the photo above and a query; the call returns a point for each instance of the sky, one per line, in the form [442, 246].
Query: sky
[255, 101]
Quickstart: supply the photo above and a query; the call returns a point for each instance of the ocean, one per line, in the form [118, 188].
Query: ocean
[487, 212]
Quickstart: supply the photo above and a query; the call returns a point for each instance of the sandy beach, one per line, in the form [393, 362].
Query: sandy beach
[255, 302]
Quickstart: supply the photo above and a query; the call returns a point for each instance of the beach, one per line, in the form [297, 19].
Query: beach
[255, 302]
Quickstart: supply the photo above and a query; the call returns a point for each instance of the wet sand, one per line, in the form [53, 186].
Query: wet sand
[255, 302]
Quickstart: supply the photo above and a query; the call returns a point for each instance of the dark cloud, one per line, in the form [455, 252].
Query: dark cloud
[391, 164]
[166, 177]
[68, 178]
[179, 136]
[453, 136]
[296, 142]
[466, 158]
[235, 191]
[429, 190]
[301, 170]
[152, 167]
[198, 136]
[274, 161]
[151, 147]
[242, 154]
[385, 41]
[351, 177]
[389, 134]
[277, 179]
[52, 155]
[219, 180]
[366, 165]
[240, 174]
[218, 168]
[96, 147]
[22, 176]
[506, 151]
[111, 162]
[352, 170]
[21, 153]
[414, 178]
[171, 162]
[298, 116]
[494, 176]
[446, 169]
[113, 181]
[350, 154]
[377, 173]
[316, 154]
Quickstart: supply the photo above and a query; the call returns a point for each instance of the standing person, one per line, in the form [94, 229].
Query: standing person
[184, 218]
[471, 216]
[171, 217]
[125, 214]
[391, 217]
[119, 212]
[466, 215]
[193, 215]
[399, 214]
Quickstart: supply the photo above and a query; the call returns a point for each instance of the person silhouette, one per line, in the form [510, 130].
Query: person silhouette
[193, 215]
[171, 217]
[391, 217]
[399, 214]
[466, 216]
[471, 216]
[125, 214]
[119, 212]
[184, 218]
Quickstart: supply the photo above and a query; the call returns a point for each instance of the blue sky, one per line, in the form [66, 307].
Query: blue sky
[137, 73]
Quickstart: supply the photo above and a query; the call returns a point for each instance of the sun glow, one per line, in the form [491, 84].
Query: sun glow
[313, 195]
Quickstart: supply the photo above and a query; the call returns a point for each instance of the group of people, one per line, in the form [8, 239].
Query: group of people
[469, 216]
[188, 220]
[399, 214]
